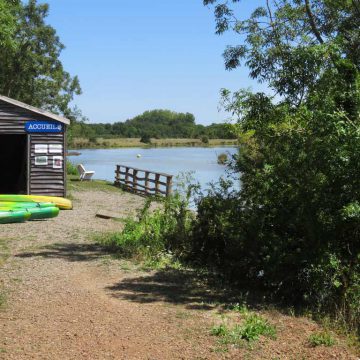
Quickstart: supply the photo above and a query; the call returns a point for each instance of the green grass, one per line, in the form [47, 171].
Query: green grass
[249, 330]
[321, 338]
[74, 183]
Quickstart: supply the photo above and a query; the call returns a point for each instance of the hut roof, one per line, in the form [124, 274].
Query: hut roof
[35, 110]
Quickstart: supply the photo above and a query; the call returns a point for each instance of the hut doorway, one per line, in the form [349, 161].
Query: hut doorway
[13, 164]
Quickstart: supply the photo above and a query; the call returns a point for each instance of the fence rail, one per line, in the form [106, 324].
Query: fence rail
[143, 182]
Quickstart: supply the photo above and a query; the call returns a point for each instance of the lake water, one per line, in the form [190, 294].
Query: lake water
[173, 161]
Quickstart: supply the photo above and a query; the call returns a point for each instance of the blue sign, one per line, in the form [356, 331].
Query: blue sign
[44, 127]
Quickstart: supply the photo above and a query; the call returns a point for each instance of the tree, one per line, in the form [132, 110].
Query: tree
[294, 228]
[288, 44]
[30, 68]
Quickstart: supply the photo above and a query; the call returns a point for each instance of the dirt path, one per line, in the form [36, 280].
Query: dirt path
[68, 299]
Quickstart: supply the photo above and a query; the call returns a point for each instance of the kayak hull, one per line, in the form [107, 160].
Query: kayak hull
[24, 205]
[9, 217]
[61, 203]
[43, 213]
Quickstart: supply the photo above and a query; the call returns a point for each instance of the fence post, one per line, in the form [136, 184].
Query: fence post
[168, 185]
[127, 187]
[117, 175]
[143, 184]
[146, 182]
[135, 180]
[157, 185]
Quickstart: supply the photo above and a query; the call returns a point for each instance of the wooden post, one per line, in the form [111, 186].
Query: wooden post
[135, 180]
[168, 185]
[117, 175]
[157, 179]
[127, 178]
[146, 182]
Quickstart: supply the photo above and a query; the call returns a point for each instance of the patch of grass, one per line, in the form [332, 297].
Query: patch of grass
[250, 329]
[255, 326]
[99, 185]
[321, 338]
[220, 330]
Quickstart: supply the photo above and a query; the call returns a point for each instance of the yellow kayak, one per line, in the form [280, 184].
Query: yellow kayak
[60, 202]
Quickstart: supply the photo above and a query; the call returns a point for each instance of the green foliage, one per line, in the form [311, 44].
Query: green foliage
[154, 124]
[30, 68]
[158, 236]
[145, 139]
[321, 338]
[221, 330]
[251, 328]
[293, 229]
[71, 168]
[204, 139]
[254, 326]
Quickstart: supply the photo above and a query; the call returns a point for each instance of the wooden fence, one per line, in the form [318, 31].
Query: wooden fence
[143, 182]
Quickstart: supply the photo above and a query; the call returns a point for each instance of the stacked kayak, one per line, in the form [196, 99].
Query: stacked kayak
[20, 208]
[61, 203]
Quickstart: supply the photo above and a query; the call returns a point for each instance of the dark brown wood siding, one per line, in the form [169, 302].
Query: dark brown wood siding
[13, 118]
[42, 180]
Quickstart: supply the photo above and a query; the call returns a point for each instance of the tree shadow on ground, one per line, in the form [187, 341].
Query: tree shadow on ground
[184, 287]
[69, 252]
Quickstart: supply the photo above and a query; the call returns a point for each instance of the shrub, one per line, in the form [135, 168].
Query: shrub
[293, 229]
[205, 139]
[251, 328]
[71, 168]
[158, 236]
[145, 139]
[222, 159]
[321, 338]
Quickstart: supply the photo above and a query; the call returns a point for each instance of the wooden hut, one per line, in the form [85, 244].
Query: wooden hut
[32, 150]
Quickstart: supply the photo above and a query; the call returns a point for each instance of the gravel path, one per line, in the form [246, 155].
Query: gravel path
[69, 299]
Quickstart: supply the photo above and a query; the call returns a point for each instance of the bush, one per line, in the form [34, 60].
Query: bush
[158, 236]
[321, 338]
[293, 229]
[71, 168]
[222, 159]
[145, 139]
[205, 139]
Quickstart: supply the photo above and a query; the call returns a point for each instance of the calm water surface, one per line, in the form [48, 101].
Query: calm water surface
[202, 161]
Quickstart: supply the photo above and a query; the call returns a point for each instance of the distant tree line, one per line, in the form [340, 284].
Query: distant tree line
[154, 124]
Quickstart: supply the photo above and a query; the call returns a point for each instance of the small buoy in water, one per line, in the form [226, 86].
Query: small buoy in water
[138, 156]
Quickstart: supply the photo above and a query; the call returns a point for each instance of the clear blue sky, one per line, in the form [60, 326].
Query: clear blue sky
[133, 56]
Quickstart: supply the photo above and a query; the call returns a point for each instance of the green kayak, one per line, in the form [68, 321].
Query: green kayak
[22, 214]
[60, 202]
[8, 217]
[43, 213]
[24, 205]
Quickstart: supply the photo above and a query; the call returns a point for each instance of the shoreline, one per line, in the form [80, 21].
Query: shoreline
[119, 143]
